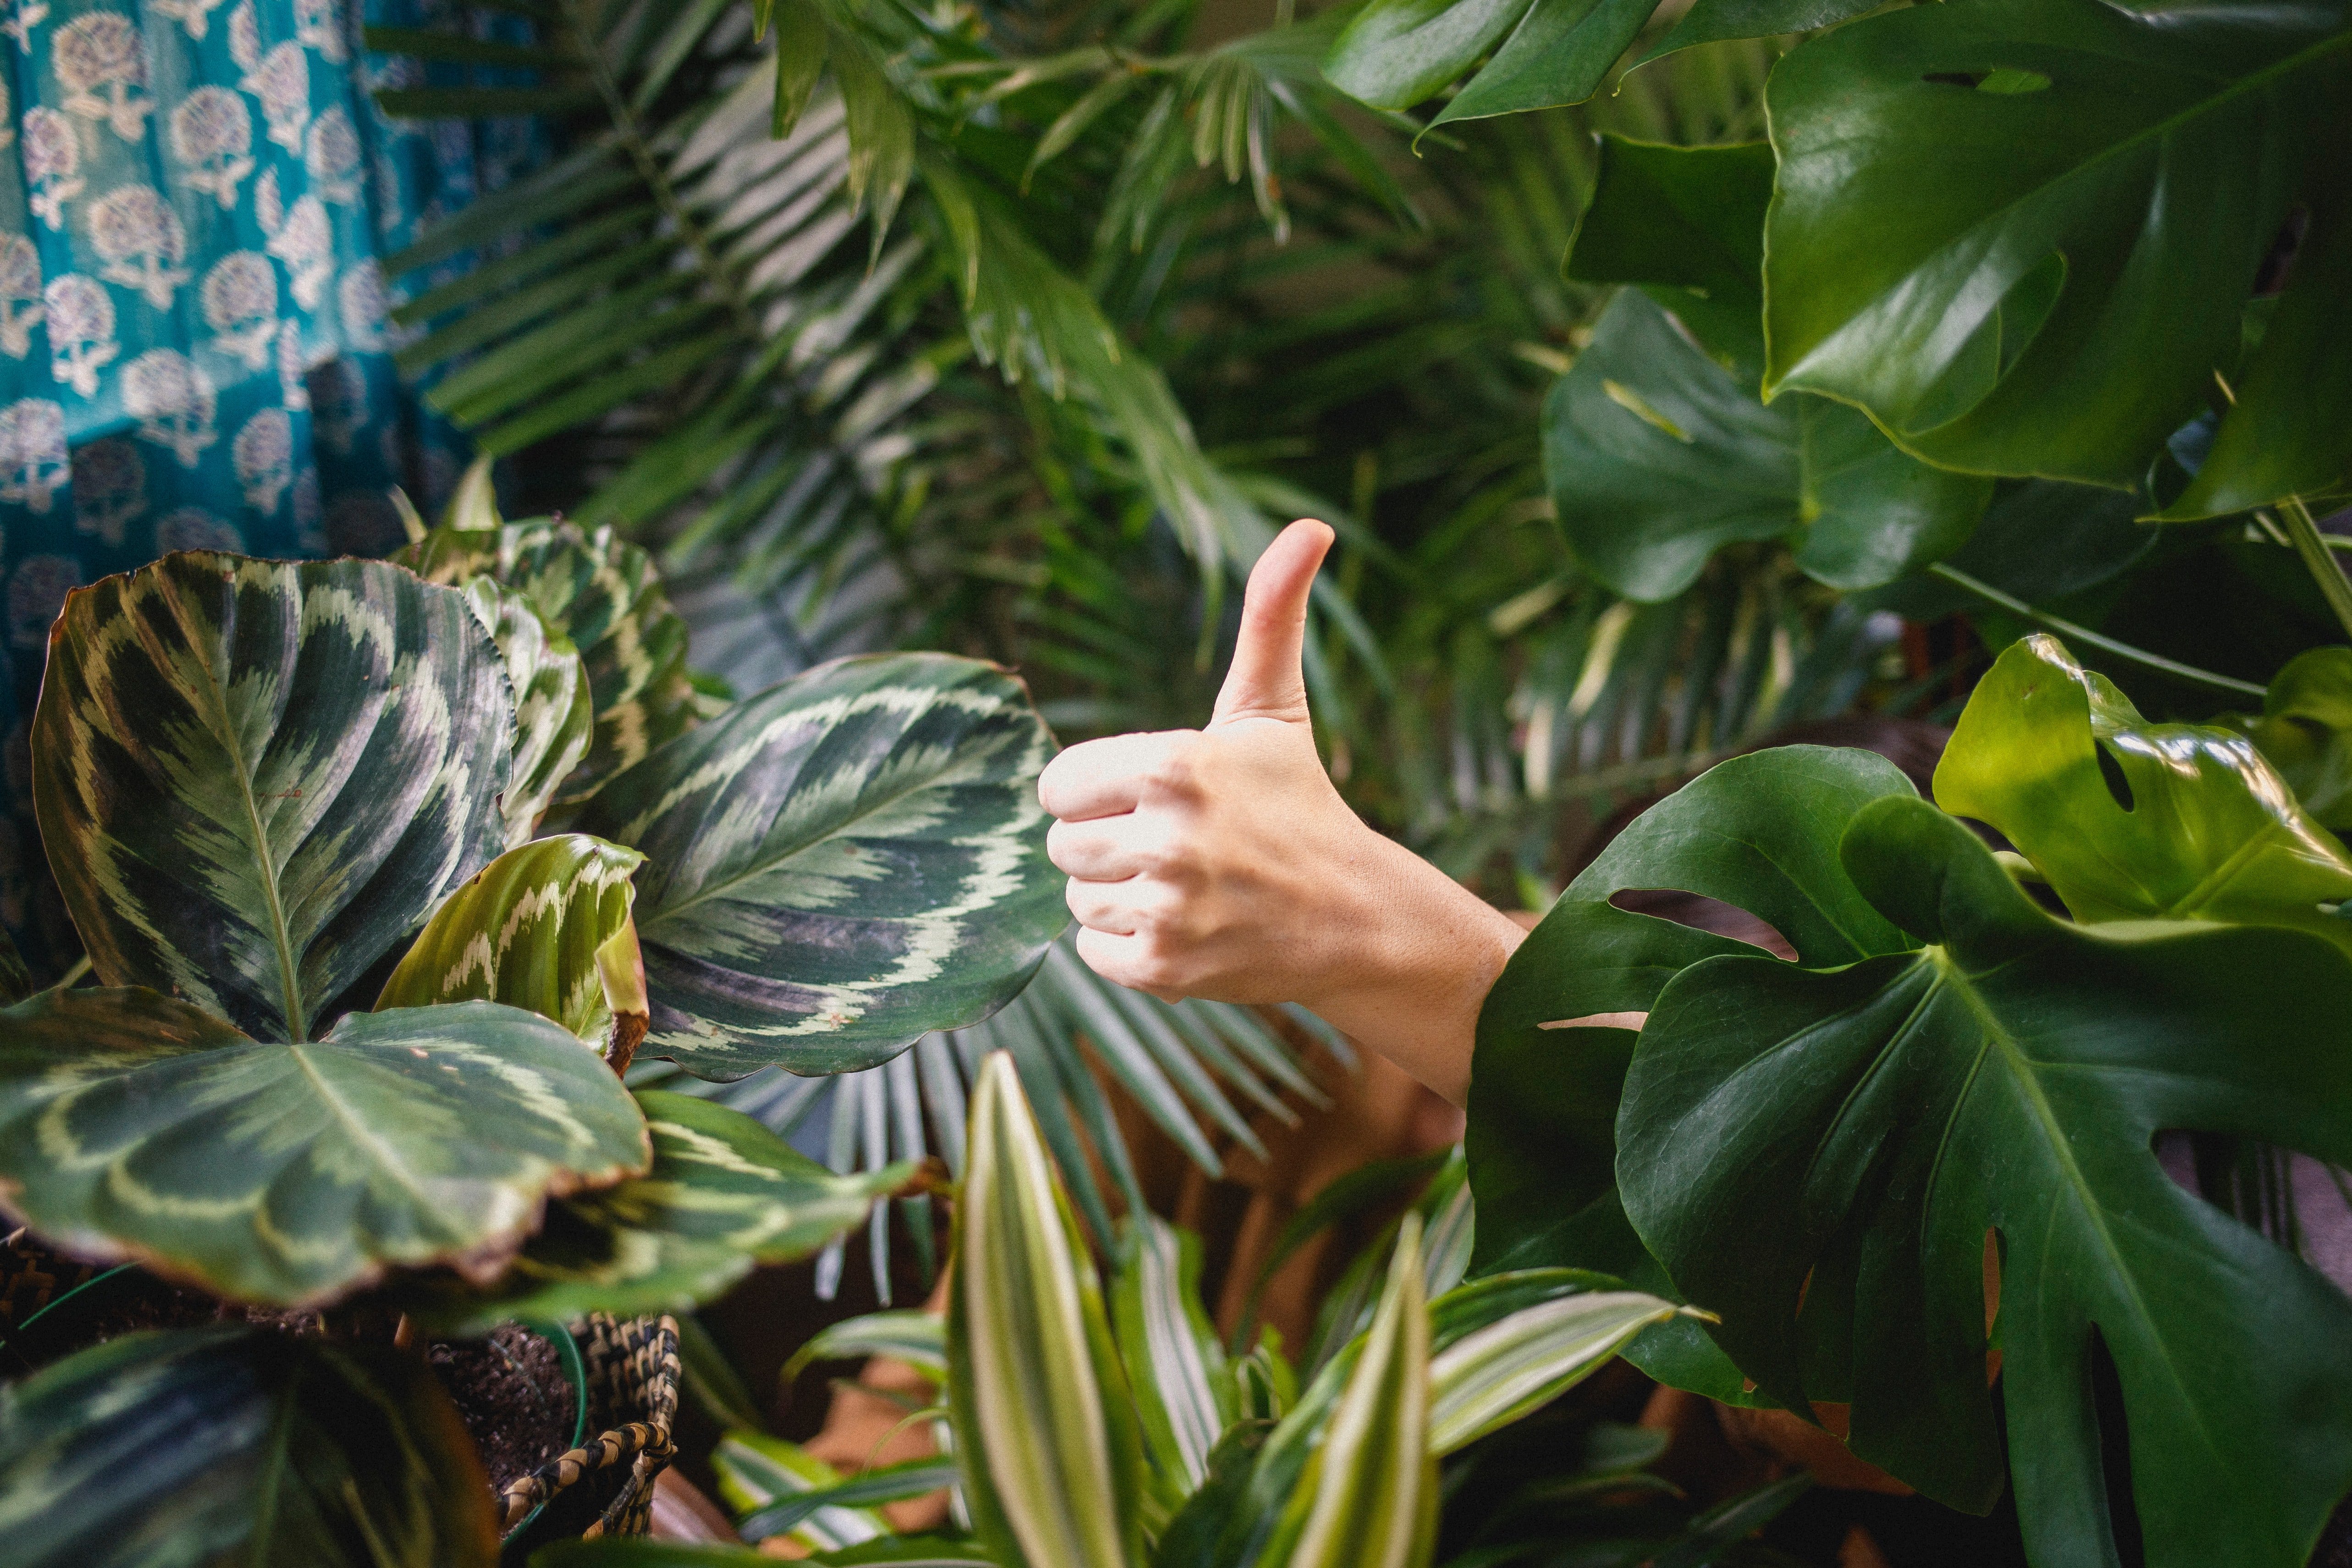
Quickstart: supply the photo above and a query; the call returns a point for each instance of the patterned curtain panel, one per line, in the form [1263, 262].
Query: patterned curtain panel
[194, 199]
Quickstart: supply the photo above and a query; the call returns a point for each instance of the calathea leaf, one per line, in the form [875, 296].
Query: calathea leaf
[546, 928]
[553, 718]
[2305, 730]
[2023, 233]
[1045, 1426]
[601, 592]
[1828, 1158]
[1556, 1034]
[840, 864]
[237, 1445]
[722, 1195]
[134, 1126]
[2130, 820]
[253, 777]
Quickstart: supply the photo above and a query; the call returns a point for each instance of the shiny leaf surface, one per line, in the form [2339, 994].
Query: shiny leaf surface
[254, 777]
[2305, 730]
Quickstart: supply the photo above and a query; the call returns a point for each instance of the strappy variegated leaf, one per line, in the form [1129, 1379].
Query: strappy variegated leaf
[545, 928]
[1045, 1426]
[1175, 1366]
[553, 716]
[1543, 1330]
[239, 1445]
[253, 777]
[723, 1195]
[918, 1339]
[757, 1471]
[602, 593]
[840, 864]
[132, 1125]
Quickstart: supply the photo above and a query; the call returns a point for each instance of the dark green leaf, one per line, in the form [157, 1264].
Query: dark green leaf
[1560, 52]
[246, 1446]
[2130, 820]
[800, 60]
[881, 131]
[2040, 540]
[1191, 1540]
[254, 777]
[1715, 21]
[1397, 52]
[1657, 456]
[2022, 232]
[840, 864]
[1686, 224]
[134, 1126]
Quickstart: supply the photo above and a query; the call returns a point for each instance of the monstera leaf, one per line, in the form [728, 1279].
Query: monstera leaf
[131, 1125]
[1556, 1035]
[554, 717]
[840, 864]
[601, 592]
[2305, 730]
[237, 1445]
[1656, 448]
[1836, 1161]
[1396, 53]
[545, 928]
[253, 777]
[2022, 234]
[2130, 820]
[723, 1195]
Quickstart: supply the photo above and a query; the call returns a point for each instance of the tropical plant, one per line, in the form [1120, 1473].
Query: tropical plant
[256, 779]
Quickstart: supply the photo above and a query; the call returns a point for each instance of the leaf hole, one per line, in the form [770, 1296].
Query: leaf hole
[2278, 261]
[2007, 80]
[1700, 912]
[2114, 1453]
[2112, 769]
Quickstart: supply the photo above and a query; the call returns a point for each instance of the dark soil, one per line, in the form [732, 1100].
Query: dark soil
[510, 1391]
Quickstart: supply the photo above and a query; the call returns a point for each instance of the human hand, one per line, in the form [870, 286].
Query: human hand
[1221, 863]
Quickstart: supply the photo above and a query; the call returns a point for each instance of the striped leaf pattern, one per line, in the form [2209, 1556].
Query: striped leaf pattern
[1510, 1342]
[239, 1445]
[1175, 1366]
[918, 1339]
[757, 1472]
[840, 864]
[134, 1126]
[254, 777]
[553, 718]
[545, 928]
[602, 593]
[1044, 1428]
[723, 1195]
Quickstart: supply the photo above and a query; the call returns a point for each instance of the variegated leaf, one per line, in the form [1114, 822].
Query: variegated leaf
[554, 717]
[840, 864]
[253, 777]
[780, 1491]
[1512, 1342]
[545, 928]
[132, 1125]
[723, 1195]
[239, 1445]
[1366, 1496]
[1044, 1428]
[1175, 1365]
[918, 1339]
[602, 593]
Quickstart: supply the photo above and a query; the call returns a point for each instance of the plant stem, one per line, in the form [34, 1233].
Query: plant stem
[2089, 638]
[2309, 544]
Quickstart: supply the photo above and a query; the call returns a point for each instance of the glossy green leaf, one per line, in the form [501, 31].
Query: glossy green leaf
[2305, 730]
[1656, 456]
[2022, 233]
[1394, 53]
[840, 864]
[1561, 52]
[217, 1445]
[1686, 224]
[254, 777]
[724, 1195]
[135, 1126]
[1716, 21]
[1821, 1156]
[601, 592]
[1366, 1496]
[2040, 540]
[1044, 1425]
[2130, 820]
[545, 928]
[1175, 1365]
[1556, 1034]
[553, 716]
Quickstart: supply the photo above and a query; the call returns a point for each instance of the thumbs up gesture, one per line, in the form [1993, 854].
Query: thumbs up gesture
[1221, 863]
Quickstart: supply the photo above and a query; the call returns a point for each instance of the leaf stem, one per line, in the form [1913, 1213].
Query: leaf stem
[2089, 638]
[2309, 543]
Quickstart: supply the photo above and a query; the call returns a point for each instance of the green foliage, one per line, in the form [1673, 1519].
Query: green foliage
[1982, 235]
[254, 778]
[2301, 731]
[554, 717]
[139, 1126]
[312, 1454]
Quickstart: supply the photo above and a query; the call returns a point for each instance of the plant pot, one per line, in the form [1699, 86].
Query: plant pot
[622, 1377]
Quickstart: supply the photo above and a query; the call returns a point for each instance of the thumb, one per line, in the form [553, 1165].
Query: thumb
[1266, 680]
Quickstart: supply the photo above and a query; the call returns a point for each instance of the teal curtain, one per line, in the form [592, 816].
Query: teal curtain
[196, 197]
